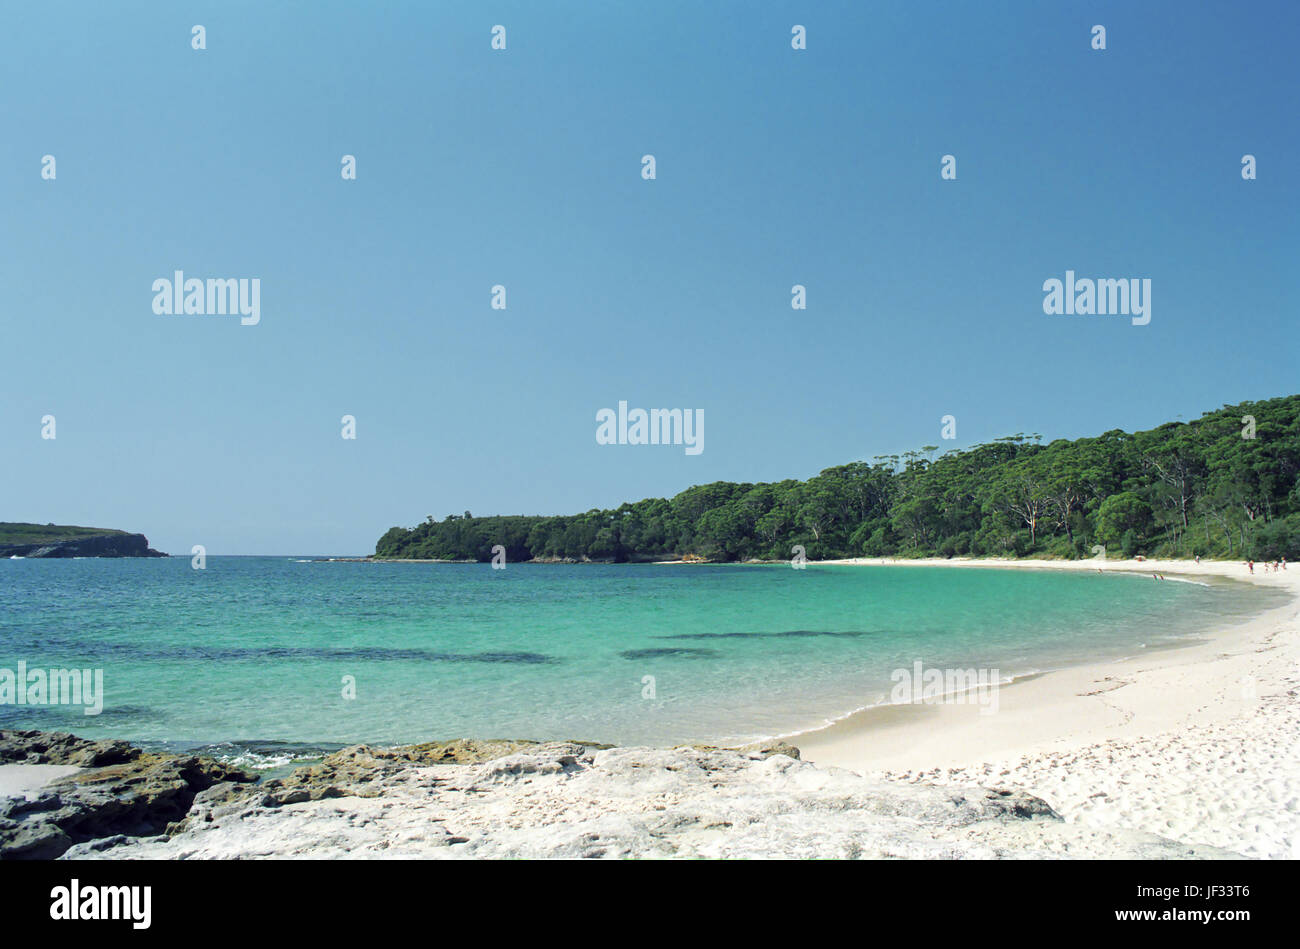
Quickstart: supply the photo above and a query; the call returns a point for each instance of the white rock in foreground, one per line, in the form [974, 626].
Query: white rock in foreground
[567, 801]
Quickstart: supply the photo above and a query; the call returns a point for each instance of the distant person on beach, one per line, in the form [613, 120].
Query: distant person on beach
[1250, 565]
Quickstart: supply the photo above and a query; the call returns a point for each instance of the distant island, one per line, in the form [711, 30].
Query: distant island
[1222, 486]
[55, 541]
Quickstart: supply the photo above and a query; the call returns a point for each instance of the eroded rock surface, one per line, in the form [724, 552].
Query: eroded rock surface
[570, 800]
[521, 799]
[120, 791]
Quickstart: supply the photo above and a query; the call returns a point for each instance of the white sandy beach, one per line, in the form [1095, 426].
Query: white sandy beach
[1199, 744]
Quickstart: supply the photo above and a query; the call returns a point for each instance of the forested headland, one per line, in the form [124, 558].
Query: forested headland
[1226, 485]
[55, 541]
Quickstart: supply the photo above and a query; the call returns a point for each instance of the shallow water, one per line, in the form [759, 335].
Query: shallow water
[250, 654]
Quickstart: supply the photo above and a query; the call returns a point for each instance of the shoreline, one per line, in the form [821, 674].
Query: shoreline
[1180, 752]
[899, 727]
[1121, 743]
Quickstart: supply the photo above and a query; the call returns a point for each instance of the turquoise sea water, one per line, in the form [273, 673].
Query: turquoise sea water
[251, 652]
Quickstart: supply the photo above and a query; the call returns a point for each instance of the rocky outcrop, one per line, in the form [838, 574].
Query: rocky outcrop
[121, 792]
[525, 799]
[773, 747]
[38, 747]
[91, 545]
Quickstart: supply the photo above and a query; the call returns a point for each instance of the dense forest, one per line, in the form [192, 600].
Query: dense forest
[1223, 486]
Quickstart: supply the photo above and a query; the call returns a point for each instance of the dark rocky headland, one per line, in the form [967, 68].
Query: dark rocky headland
[54, 541]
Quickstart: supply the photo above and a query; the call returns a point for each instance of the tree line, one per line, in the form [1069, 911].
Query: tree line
[1226, 485]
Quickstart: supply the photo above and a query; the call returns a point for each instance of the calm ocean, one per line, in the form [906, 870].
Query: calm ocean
[251, 654]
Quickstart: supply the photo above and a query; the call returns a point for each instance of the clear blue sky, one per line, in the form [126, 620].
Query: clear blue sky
[775, 167]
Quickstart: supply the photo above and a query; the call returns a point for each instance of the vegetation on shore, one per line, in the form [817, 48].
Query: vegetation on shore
[16, 533]
[1202, 488]
[62, 541]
